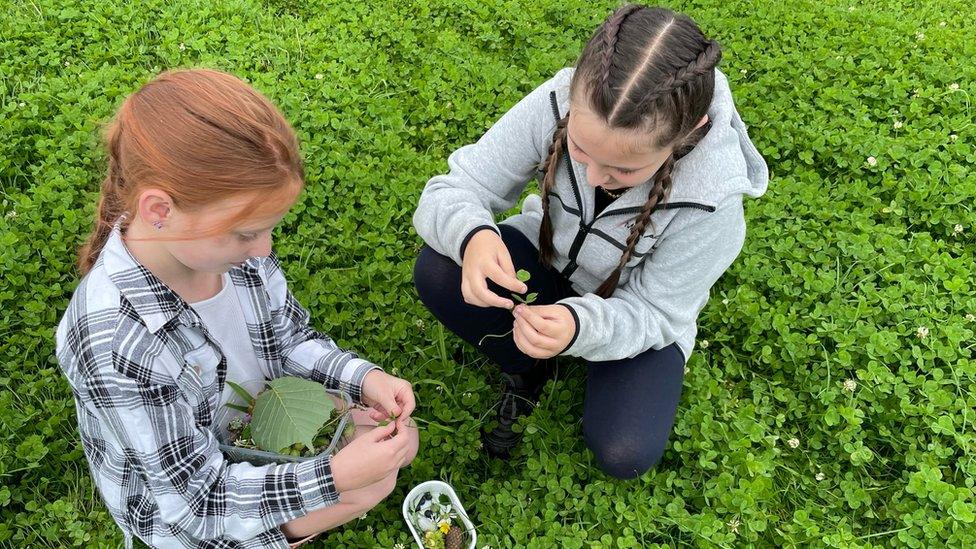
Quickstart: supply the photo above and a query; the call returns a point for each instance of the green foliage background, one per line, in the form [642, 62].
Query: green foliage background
[845, 262]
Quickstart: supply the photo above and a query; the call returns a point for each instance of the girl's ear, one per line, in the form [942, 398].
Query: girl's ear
[701, 122]
[155, 207]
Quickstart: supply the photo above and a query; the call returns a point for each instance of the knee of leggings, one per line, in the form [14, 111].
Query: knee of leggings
[624, 459]
[428, 271]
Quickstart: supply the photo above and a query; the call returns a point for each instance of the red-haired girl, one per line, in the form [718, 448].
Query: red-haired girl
[182, 292]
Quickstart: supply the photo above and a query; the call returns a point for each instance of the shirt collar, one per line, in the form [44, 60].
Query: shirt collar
[154, 302]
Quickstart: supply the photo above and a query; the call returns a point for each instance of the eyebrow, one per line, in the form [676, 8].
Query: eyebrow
[621, 168]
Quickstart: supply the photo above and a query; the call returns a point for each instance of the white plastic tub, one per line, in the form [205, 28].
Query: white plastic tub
[436, 487]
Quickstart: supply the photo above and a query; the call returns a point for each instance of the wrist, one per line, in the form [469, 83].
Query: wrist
[574, 326]
[471, 235]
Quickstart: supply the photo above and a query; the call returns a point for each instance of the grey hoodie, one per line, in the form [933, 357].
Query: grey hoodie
[689, 243]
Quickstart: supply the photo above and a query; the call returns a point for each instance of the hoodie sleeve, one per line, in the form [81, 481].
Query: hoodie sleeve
[487, 177]
[661, 300]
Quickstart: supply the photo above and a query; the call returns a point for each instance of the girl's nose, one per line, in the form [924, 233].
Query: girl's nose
[596, 176]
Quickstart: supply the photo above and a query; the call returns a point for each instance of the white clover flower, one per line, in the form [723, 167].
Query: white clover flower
[704, 344]
[953, 137]
[744, 71]
[11, 214]
[920, 36]
[922, 332]
[970, 317]
[850, 385]
[399, 546]
[820, 477]
[872, 161]
[954, 86]
[898, 124]
[793, 442]
[369, 529]
[22, 104]
[426, 524]
[725, 301]
[319, 76]
[734, 525]
[957, 229]
[182, 46]
[942, 23]
[67, 63]
[850, 8]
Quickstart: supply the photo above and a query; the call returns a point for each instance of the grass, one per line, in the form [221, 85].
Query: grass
[846, 260]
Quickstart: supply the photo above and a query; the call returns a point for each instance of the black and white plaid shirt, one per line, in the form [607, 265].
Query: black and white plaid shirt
[147, 379]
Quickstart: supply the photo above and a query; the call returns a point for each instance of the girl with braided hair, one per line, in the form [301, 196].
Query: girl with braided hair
[643, 163]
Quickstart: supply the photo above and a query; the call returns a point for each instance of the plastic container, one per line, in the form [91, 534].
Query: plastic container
[260, 457]
[435, 487]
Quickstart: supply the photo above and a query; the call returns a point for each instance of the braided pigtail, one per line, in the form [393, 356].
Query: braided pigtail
[656, 197]
[546, 249]
[110, 205]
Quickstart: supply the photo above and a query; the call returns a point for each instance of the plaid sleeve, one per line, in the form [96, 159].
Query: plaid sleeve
[305, 351]
[194, 489]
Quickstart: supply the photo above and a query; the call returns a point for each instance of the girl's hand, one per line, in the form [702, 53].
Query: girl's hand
[486, 257]
[388, 396]
[371, 457]
[543, 331]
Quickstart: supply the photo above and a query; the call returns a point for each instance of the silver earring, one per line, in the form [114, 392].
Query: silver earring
[158, 225]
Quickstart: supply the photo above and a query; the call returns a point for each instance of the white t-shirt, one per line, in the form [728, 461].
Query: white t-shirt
[224, 318]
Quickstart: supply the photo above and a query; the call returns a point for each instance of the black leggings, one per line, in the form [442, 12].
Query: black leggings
[630, 404]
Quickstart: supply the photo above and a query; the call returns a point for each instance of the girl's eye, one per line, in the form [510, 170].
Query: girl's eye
[625, 172]
[247, 237]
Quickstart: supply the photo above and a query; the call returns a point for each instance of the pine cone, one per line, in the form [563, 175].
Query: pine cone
[454, 538]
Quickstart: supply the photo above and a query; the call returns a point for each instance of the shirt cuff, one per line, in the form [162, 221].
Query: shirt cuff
[315, 483]
[359, 368]
[576, 319]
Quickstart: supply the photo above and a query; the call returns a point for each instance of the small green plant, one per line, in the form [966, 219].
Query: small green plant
[291, 416]
[530, 298]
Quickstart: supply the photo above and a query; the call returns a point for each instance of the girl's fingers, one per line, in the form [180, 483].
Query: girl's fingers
[531, 335]
[468, 295]
[505, 280]
[381, 432]
[407, 399]
[540, 323]
[507, 267]
[526, 346]
[487, 298]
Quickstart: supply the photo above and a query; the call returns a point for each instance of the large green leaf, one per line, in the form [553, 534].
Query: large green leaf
[291, 410]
